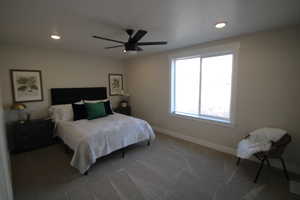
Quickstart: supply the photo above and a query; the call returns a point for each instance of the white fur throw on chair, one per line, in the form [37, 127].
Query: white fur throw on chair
[259, 140]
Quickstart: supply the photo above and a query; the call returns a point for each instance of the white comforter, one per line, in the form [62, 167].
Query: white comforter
[91, 139]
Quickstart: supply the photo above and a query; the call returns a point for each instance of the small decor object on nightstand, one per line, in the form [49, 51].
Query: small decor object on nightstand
[124, 107]
[115, 84]
[22, 114]
[26, 85]
[124, 104]
[123, 110]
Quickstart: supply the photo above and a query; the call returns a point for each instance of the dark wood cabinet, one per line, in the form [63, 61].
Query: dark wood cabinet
[29, 135]
[123, 110]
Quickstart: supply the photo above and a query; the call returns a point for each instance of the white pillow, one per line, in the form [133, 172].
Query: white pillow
[67, 114]
[63, 112]
[54, 114]
[79, 102]
[95, 101]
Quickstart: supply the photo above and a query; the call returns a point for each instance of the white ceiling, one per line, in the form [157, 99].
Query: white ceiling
[180, 22]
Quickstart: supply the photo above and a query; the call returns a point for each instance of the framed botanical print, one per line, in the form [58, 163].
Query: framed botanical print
[115, 84]
[26, 85]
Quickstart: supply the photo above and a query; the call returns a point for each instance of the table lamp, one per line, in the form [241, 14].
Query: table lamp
[125, 99]
[20, 108]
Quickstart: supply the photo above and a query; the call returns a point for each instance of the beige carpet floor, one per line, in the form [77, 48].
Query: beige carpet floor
[169, 169]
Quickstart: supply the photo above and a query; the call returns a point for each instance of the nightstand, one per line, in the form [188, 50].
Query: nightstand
[123, 110]
[29, 135]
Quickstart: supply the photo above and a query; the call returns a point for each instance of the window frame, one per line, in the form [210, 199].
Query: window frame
[204, 53]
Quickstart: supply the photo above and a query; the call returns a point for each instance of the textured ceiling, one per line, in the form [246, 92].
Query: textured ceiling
[180, 22]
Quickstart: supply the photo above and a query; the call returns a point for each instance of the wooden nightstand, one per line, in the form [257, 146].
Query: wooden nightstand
[123, 110]
[29, 135]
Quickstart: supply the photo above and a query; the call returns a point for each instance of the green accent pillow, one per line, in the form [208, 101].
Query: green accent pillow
[95, 110]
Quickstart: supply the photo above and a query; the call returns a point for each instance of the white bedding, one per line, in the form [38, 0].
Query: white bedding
[91, 139]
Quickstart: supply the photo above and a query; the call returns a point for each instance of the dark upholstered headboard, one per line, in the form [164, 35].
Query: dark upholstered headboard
[71, 95]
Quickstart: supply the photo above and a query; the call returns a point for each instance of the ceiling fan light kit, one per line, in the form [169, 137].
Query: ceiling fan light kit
[133, 44]
[221, 25]
[55, 37]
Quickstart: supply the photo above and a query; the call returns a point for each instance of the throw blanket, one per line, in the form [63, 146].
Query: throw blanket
[259, 140]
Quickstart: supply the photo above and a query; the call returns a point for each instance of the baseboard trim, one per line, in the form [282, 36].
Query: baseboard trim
[196, 140]
[291, 167]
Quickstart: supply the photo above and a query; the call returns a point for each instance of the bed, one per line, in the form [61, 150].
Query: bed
[92, 139]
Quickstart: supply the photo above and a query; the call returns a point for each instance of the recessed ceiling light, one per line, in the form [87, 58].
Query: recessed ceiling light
[220, 25]
[55, 37]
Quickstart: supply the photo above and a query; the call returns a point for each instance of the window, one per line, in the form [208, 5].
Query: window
[202, 87]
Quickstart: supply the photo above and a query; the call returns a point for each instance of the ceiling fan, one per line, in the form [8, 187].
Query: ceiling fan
[133, 43]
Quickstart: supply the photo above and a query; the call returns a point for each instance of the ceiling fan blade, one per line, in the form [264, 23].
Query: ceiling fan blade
[152, 43]
[103, 38]
[138, 36]
[114, 46]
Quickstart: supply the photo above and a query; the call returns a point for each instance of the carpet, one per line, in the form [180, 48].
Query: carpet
[168, 169]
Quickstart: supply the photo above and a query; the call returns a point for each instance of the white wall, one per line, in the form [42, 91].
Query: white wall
[5, 182]
[59, 69]
[268, 89]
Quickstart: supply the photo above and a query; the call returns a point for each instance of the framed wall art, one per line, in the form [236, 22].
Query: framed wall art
[115, 84]
[26, 85]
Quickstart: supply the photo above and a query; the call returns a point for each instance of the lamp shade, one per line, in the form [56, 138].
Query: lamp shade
[18, 106]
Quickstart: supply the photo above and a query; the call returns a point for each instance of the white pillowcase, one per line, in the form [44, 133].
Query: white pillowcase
[95, 101]
[63, 112]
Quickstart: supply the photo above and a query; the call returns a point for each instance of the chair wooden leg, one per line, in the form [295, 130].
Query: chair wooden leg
[284, 169]
[238, 161]
[259, 170]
